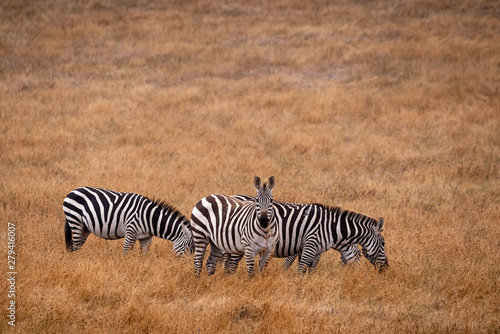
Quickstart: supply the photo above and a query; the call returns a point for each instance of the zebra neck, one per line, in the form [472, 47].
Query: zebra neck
[163, 221]
[171, 226]
[269, 231]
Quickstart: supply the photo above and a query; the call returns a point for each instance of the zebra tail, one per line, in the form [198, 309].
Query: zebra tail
[68, 236]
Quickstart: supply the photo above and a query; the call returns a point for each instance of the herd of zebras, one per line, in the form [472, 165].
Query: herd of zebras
[234, 226]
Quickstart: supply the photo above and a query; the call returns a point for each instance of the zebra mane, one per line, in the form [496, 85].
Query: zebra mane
[167, 207]
[338, 210]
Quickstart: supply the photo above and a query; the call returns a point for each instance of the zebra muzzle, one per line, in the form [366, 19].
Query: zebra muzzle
[264, 221]
[383, 267]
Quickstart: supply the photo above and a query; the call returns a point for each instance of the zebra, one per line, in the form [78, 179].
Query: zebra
[232, 226]
[307, 230]
[113, 215]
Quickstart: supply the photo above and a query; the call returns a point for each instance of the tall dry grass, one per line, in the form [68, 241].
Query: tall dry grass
[390, 108]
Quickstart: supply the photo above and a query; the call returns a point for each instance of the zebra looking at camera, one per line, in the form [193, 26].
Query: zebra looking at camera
[335, 228]
[114, 215]
[232, 226]
[298, 230]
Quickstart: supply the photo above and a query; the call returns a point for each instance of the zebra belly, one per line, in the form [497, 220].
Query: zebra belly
[230, 248]
[282, 249]
[109, 231]
[228, 239]
[141, 236]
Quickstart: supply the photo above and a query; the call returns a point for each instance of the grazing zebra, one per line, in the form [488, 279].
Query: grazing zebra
[113, 215]
[334, 228]
[232, 226]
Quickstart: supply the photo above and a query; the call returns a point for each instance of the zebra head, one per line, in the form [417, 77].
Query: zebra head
[184, 242]
[264, 201]
[374, 250]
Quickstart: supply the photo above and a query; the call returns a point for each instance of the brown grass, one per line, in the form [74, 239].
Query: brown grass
[390, 108]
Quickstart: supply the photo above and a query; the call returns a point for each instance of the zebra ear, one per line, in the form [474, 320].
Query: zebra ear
[270, 182]
[257, 182]
[186, 231]
[380, 224]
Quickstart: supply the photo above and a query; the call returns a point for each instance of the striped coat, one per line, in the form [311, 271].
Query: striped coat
[232, 226]
[114, 215]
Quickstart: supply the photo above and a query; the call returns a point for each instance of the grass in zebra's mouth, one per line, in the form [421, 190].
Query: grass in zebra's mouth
[386, 108]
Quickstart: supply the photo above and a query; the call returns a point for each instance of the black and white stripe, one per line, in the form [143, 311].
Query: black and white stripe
[307, 230]
[113, 215]
[233, 226]
[299, 233]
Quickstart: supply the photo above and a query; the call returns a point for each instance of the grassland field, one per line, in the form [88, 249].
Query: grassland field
[389, 108]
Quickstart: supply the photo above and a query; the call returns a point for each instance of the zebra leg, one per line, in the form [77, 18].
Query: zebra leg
[145, 244]
[201, 247]
[306, 258]
[289, 261]
[302, 269]
[264, 258]
[357, 256]
[250, 260]
[130, 238]
[85, 235]
[231, 263]
[215, 255]
[350, 255]
[315, 262]
[68, 236]
[224, 259]
[79, 234]
[79, 238]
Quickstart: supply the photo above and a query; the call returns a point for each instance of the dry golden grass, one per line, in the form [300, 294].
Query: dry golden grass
[390, 108]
